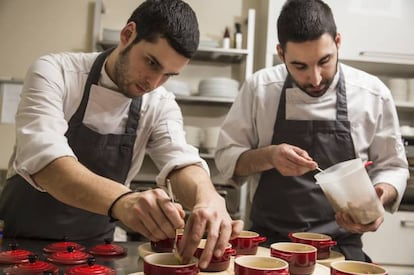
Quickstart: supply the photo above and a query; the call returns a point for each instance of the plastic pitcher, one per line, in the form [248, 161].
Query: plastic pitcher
[348, 188]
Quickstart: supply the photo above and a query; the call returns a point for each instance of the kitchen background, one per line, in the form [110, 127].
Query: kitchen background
[378, 36]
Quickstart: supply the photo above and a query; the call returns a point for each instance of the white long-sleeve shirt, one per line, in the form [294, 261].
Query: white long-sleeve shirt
[371, 111]
[51, 94]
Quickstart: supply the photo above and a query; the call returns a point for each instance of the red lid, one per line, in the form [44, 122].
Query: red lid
[71, 256]
[14, 255]
[32, 267]
[108, 249]
[90, 268]
[62, 246]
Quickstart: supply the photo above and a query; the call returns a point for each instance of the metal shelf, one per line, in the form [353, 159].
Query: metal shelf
[204, 99]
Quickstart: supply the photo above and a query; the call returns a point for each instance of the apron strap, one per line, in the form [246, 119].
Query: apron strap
[93, 78]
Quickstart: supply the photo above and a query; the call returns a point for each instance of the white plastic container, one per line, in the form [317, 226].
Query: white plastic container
[348, 188]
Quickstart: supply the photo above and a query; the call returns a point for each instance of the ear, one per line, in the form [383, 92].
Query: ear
[338, 40]
[280, 53]
[128, 33]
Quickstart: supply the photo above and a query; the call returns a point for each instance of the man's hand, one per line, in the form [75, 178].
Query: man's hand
[345, 221]
[290, 160]
[150, 213]
[216, 223]
[386, 194]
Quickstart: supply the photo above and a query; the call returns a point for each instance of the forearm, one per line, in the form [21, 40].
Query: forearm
[192, 186]
[253, 161]
[70, 182]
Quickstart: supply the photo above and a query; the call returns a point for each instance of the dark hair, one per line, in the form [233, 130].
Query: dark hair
[304, 20]
[173, 20]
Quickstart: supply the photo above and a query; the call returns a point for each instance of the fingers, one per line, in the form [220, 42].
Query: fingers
[152, 214]
[193, 233]
[345, 221]
[290, 160]
[237, 226]
[218, 227]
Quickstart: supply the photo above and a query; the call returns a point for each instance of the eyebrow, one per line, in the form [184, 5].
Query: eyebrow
[154, 59]
[302, 63]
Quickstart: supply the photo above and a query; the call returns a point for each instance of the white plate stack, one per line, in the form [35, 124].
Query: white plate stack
[218, 87]
[177, 87]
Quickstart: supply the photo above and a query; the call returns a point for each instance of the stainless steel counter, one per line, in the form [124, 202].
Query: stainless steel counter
[122, 264]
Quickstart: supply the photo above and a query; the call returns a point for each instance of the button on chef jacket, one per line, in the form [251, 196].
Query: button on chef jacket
[371, 112]
[54, 85]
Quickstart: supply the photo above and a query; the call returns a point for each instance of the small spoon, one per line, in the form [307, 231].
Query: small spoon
[175, 250]
[319, 169]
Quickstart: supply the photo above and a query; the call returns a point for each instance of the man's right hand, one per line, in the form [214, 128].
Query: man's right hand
[290, 160]
[150, 213]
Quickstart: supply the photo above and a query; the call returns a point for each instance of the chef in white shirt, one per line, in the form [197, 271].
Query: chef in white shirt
[84, 124]
[310, 111]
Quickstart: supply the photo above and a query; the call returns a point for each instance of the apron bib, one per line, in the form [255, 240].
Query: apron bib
[294, 204]
[30, 213]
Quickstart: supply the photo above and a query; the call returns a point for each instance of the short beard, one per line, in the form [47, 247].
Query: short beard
[121, 71]
[328, 83]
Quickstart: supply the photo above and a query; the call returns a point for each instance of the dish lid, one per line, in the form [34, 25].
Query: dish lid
[90, 268]
[62, 246]
[71, 256]
[108, 249]
[32, 267]
[14, 255]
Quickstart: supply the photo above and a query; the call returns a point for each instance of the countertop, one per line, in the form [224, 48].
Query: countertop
[122, 264]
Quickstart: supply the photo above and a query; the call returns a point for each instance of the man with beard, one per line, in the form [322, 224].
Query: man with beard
[84, 124]
[310, 111]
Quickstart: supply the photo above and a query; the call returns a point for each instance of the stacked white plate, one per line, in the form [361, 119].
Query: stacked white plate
[218, 87]
[178, 87]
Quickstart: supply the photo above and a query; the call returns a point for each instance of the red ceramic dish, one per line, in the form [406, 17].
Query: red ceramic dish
[356, 268]
[32, 267]
[301, 257]
[62, 246]
[322, 242]
[90, 268]
[108, 249]
[161, 246]
[247, 243]
[167, 264]
[70, 256]
[257, 265]
[216, 263]
[14, 255]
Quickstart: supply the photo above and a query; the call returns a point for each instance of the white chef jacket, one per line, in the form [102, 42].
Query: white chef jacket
[371, 111]
[51, 94]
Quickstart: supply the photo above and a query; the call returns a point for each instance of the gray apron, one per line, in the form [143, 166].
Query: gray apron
[293, 204]
[29, 213]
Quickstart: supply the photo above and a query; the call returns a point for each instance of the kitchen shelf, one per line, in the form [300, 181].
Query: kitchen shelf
[220, 55]
[204, 99]
[404, 106]
[203, 53]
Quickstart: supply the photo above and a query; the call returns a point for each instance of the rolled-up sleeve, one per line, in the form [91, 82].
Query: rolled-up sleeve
[388, 153]
[167, 145]
[237, 135]
[40, 121]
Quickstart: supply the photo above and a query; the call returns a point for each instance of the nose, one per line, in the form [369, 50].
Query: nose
[315, 76]
[155, 80]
